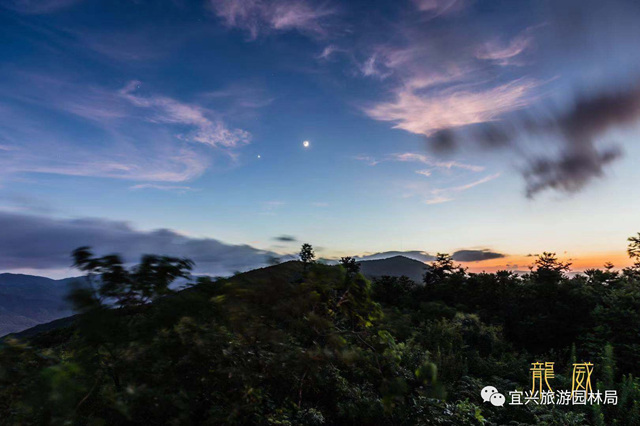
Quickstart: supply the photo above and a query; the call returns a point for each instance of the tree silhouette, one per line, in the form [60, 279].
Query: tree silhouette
[548, 268]
[633, 249]
[440, 268]
[307, 255]
[350, 265]
[143, 283]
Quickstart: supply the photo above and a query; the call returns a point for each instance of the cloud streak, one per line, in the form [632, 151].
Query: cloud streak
[505, 54]
[39, 7]
[286, 238]
[424, 159]
[426, 114]
[414, 157]
[434, 195]
[258, 17]
[166, 110]
[150, 137]
[181, 189]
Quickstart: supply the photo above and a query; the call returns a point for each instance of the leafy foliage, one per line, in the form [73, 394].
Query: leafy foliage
[306, 343]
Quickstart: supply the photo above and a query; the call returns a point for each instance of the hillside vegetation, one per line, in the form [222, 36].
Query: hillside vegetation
[305, 343]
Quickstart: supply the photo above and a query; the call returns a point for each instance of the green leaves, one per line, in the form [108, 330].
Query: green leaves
[305, 343]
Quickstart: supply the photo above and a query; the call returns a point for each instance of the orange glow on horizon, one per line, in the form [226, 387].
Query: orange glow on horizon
[579, 263]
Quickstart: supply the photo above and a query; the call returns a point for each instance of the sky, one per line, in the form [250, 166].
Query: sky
[490, 129]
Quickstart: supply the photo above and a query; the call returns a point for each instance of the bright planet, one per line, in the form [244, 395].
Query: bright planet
[306, 144]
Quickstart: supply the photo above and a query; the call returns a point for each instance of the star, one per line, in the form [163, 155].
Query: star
[306, 144]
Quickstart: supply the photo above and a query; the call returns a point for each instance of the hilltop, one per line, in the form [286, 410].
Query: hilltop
[395, 266]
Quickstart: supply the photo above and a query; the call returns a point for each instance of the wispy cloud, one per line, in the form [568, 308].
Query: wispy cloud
[262, 16]
[443, 195]
[181, 189]
[449, 77]
[372, 67]
[270, 208]
[425, 159]
[474, 183]
[433, 195]
[437, 199]
[414, 157]
[426, 114]
[174, 166]
[39, 7]
[329, 51]
[367, 159]
[149, 137]
[504, 54]
[166, 110]
[439, 7]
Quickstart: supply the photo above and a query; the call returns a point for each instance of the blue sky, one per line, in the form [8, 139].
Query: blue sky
[434, 125]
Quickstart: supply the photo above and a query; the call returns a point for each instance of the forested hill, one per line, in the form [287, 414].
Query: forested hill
[395, 266]
[28, 301]
[311, 344]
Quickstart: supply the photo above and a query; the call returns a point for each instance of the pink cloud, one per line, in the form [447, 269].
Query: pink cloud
[141, 131]
[504, 54]
[426, 113]
[166, 110]
[261, 16]
[440, 7]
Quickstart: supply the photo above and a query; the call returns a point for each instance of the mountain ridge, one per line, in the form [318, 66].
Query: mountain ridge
[394, 266]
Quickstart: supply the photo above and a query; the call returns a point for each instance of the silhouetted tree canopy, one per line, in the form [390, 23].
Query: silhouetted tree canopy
[311, 344]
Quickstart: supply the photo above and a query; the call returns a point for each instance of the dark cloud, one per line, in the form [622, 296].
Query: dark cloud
[443, 141]
[581, 161]
[286, 238]
[576, 159]
[569, 173]
[476, 255]
[38, 242]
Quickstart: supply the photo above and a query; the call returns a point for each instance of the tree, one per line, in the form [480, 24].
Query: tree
[349, 263]
[633, 249]
[548, 268]
[441, 268]
[140, 285]
[307, 255]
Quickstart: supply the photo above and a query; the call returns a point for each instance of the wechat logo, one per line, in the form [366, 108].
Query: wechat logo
[491, 394]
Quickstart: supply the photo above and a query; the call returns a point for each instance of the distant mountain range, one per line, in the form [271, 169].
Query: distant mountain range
[27, 301]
